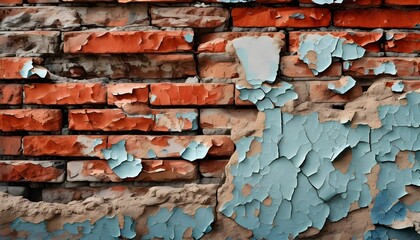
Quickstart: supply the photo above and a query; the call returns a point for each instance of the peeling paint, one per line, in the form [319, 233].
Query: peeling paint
[322, 2]
[384, 68]
[195, 150]
[318, 51]
[29, 69]
[398, 86]
[189, 37]
[345, 84]
[124, 165]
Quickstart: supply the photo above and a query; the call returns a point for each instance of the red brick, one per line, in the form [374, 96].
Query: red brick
[10, 66]
[402, 42]
[293, 67]
[403, 2]
[320, 93]
[10, 145]
[216, 42]
[116, 120]
[126, 41]
[138, 66]
[153, 170]
[172, 146]
[166, 94]
[32, 171]
[30, 120]
[259, 1]
[65, 93]
[66, 146]
[30, 42]
[217, 66]
[208, 17]
[212, 168]
[281, 17]
[239, 101]
[225, 119]
[351, 2]
[11, 2]
[368, 40]
[43, 1]
[409, 85]
[406, 67]
[158, 1]
[10, 94]
[376, 18]
[121, 93]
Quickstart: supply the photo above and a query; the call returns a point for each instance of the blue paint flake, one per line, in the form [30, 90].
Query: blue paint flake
[346, 83]
[124, 165]
[28, 70]
[194, 150]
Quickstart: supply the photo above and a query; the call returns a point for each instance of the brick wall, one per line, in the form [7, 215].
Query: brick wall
[107, 99]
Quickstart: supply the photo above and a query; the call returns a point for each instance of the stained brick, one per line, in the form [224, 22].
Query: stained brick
[153, 170]
[281, 17]
[212, 168]
[126, 41]
[68, 146]
[33, 42]
[191, 94]
[32, 171]
[10, 94]
[30, 120]
[10, 145]
[65, 93]
[224, 119]
[217, 66]
[171, 146]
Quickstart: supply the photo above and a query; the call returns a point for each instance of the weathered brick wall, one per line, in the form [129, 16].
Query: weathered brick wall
[157, 119]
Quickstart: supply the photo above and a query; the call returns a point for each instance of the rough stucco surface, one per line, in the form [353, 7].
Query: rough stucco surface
[272, 119]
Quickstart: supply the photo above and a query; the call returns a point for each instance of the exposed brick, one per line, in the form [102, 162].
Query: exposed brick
[217, 66]
[10, 94]
[10, 2]
[10, 145]
[43, 1]
[368, 40]
[29, 42]
[239, 101]
[116, 120]
[138, 66]
[191, 94]
[158, 1]
[64, 18]
[68, 146]
[409, 85]
[403, 2]
[319, 92]
[30, 120]
[10, 66]
[212, 168]
[216, 42]
[153, 170]
[402, 42]
[292, 67]
[126, 41]
[172, 146]
[65, 93]
[281, 17]
[208, 17]
[406, 67]
[121, 93]
[224, 119]
[376, 18]
[259, 1]
[351, 2]
[66, 195]
[32, 171]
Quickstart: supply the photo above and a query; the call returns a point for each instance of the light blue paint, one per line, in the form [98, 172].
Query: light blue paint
[105, 228]
[235, 1]
[297, 16]
[151, 154]
[386, 68]
[398, 86]
[166, 224]
[194, 150]
[322, 2]
[348, 84]
[191, 116]
[28, 70]
[384, 233]
[189, 37]
[124, 165]
[318, 51]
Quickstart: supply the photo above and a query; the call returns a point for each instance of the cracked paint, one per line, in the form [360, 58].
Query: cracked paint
[318, 51]
[124, 165]
[195, 150]
[384, 68]
[322, 2]
[344, 85]
[29, 69]
[176, 224]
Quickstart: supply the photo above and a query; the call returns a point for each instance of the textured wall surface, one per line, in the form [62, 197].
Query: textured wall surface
[218, 119]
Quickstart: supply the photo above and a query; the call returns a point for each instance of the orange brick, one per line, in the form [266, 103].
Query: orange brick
[217, 66]
[212, 168]
[281, 17]
[403, 2]
[172, 146]
[153, 170]
[10, 66]
[351, 2]
[10, 145]
[120, 93]
[116, 120]
[126, 41]
[10, 2]
[406, 67]
[225, 119]
[293, 67]
[368, 40]
[319, 92]
[68, 146]
[376, 18]
[32, 171]
[30, 120]
[191, 94]
[402, 42]
[65, 93]
[10, 94]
